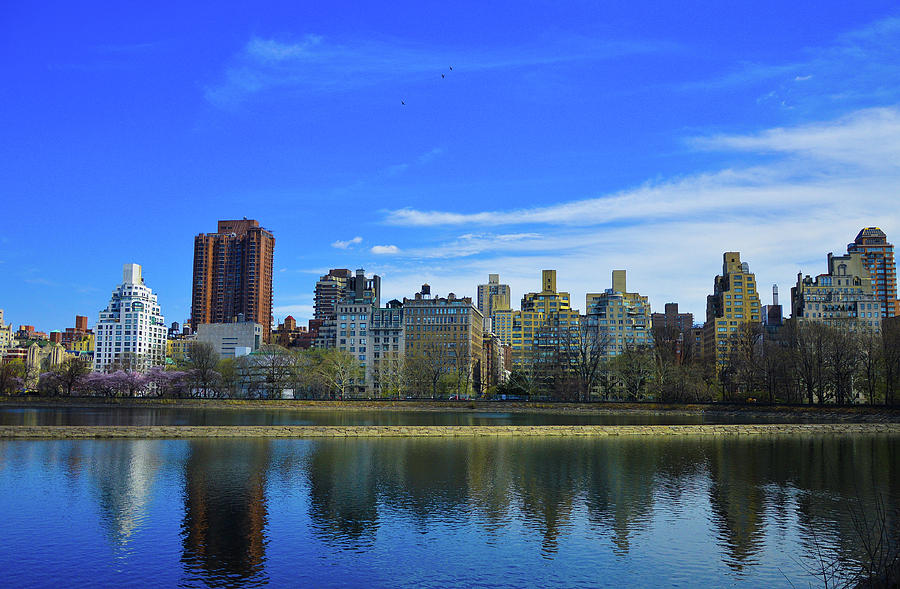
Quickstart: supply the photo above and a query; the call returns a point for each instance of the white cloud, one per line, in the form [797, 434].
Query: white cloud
[866, 139]
[826, 181]
[385, 249]
[869, 137]
[342, 245]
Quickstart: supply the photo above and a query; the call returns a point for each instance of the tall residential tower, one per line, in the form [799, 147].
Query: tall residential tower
[734, 302]
[878, 257]
[131, 331]
[493, 296]
[233, 275]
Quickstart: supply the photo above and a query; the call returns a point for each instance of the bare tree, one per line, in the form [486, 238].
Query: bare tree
[634, 369]
[389, 374]
[270, 368]
[842, 352]
[203, 364]
[461, 364]
[584, 347]
[745, 357]
[890, 341]
[777, 364]
[810, 358]
[429, 364]
[871, 363]
[339, 370]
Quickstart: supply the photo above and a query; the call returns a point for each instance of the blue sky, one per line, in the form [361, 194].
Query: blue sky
[649, 136]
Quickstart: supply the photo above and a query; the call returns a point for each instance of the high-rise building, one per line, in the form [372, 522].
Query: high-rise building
[233, 275]
[131, 332]
[450, 328]
[622, 318]
[672, 320]
[734, 301]
[387, 347]
[844, 297]
[772, 315]
[6, 335]
[878, 257]
[340, 286]
[544, 321]
[493, 296]
[329, 292]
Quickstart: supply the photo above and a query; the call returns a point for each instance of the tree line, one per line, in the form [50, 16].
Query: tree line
[798, 363]
[266, 374]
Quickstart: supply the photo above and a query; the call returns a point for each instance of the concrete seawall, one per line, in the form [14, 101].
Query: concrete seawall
[178, 431]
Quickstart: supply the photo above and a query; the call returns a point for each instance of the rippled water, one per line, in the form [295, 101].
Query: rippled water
[263, 416]
[509, 512]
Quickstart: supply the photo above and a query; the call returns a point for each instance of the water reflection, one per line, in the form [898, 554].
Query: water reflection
[749, 489]
[225, 511]
[255, 511]
[123, 474]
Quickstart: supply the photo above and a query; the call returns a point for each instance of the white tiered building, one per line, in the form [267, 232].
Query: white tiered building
[131, 331]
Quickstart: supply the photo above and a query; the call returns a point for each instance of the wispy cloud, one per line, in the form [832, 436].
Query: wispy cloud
[319, 64]
[342, 245]
[860, 68]
[385, 250]
[817, 185]
[420, 160]
[865, 139]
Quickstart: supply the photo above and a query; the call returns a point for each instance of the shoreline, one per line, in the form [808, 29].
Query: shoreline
[802, 413]
[29, 432]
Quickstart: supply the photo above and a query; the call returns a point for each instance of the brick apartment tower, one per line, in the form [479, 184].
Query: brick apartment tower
[233, 275]
[878, 257]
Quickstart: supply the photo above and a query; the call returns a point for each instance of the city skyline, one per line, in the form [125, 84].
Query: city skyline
[577, 138]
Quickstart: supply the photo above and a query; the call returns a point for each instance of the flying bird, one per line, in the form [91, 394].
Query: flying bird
[451, 68]
[442, 75]
[403, 103]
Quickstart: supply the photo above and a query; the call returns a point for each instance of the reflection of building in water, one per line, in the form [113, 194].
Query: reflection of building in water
[546, 485]
[738, 502]
[342, 492]
[619, 480]
[225, 508]
[123, 473]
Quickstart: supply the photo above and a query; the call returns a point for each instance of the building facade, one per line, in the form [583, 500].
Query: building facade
[131, 332]
[673, 321]
[844, 297]
[233, 275]
[75, 334]
[734, 302]
[493, 296]
[231, 340]
[6, 335]
[41, 357]
[447, 330]
[621, 318]
[329, 292]
[535, 334]
[386, 347]
[878, 257]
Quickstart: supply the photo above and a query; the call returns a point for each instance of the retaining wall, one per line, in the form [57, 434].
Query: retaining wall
[171, 431]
